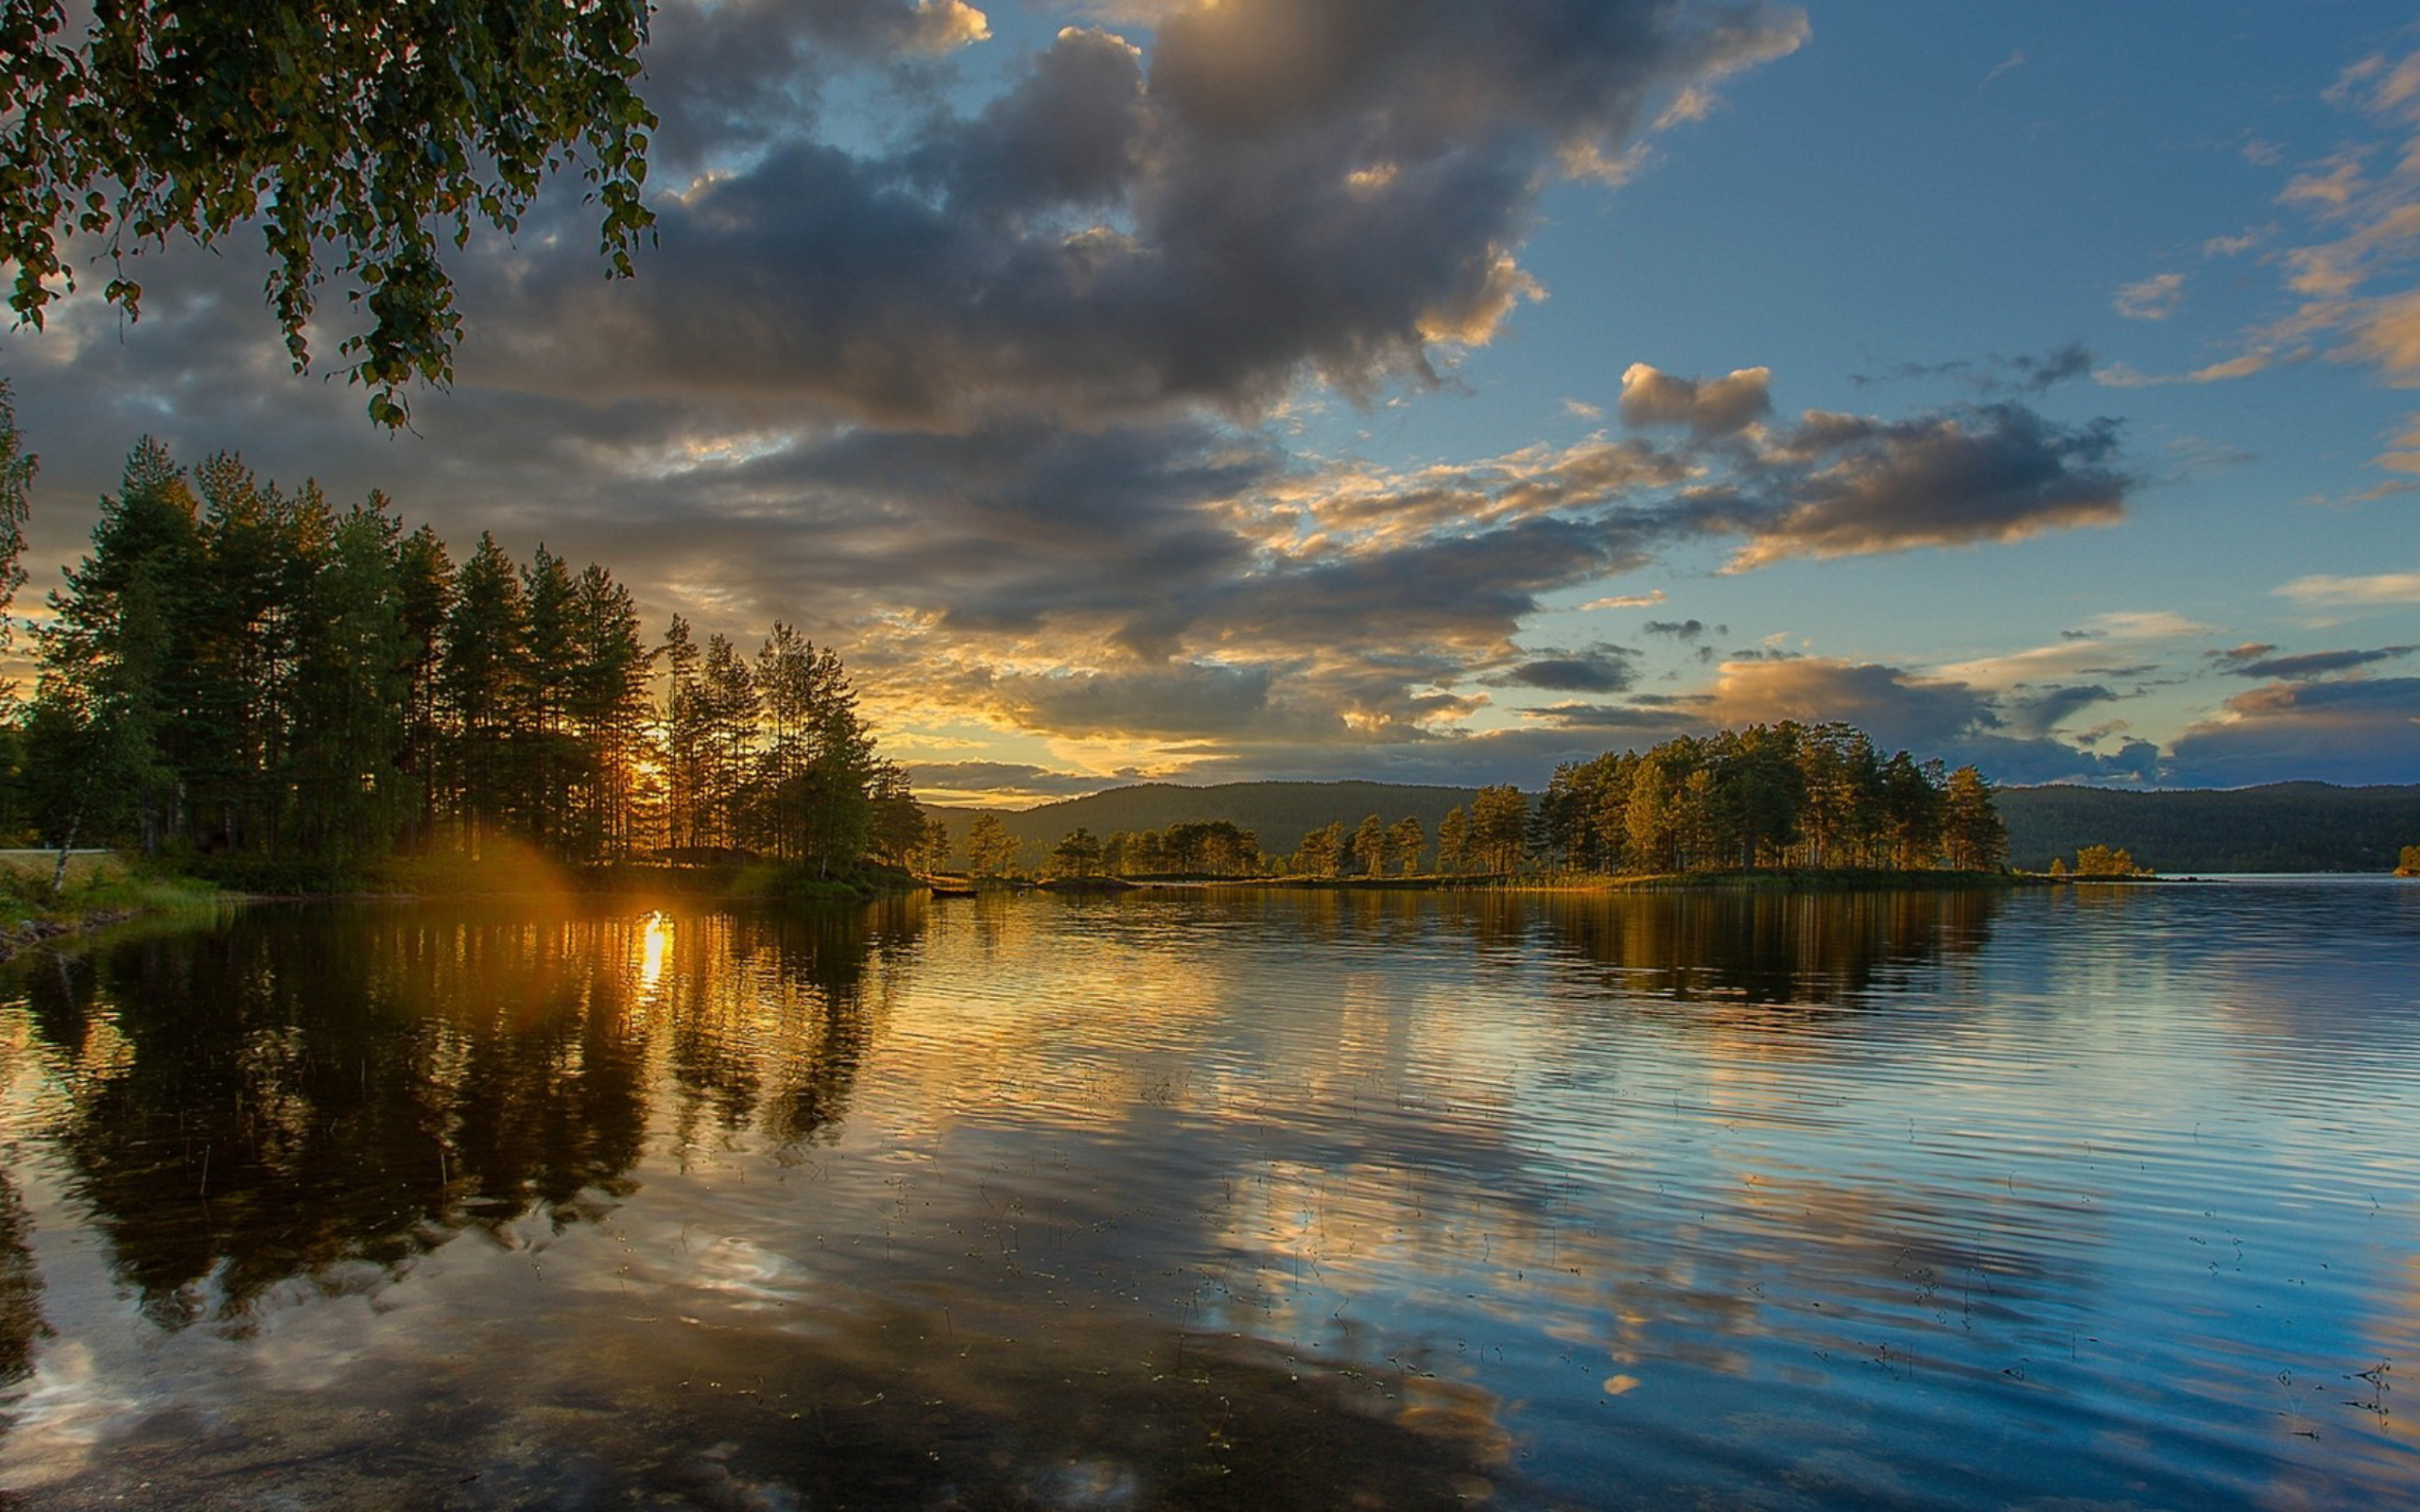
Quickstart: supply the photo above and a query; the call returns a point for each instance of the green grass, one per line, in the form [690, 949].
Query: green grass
[99, 890]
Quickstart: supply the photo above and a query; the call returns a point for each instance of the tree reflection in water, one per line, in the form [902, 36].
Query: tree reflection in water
[1218, 1199]
[21, 1324]
[1811, 949]
[281, 1098]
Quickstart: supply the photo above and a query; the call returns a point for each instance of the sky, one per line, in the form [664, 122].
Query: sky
[1430, 391]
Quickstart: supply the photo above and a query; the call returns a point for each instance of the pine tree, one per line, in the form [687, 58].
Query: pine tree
[683, 737]
[607, 712]
[546, 760]
[1972, 832]
[482, 687]
[423, 578]
[97, 741]
[1453, 844]
[1499, 827]
[1369, 847]
[991, 850]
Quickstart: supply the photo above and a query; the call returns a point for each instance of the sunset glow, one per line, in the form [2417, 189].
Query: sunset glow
[1177, 390]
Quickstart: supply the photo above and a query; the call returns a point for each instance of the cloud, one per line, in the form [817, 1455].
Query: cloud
[2238, 245]
[2353, 731]
[2347, 274]
[2321, 591]
[2312, 664]
[2001, 473]
[1682, 629]
[2037, 712]
[1186, 700]
[1645, 722]
[2119, 376]
[932, 779]
[2122, 644]
[2152, 299]
[1712, 406]
[1278, 193]
[980, 398]
[1928, 715]
[1898, 708]
[1992, 375]
[2006, 65]
[1601, 668]
[726, 77]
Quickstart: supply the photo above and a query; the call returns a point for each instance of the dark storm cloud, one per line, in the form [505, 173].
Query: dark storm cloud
[2312, 664]
[2000, 472]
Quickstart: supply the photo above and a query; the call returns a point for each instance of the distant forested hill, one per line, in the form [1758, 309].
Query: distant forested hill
[1280, 813]
[2284, 827]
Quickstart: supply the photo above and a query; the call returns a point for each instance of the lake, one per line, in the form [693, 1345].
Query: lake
[2097, 1197]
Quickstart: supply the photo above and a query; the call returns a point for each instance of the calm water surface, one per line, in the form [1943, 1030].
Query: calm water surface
[2086, 1198]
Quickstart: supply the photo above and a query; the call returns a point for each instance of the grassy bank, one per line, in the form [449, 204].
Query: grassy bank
[99, 889]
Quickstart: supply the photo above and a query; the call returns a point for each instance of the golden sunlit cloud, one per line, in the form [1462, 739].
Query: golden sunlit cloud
[2321, 591]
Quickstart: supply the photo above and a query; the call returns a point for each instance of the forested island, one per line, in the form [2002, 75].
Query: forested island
[1786, 797]
[2280, 827]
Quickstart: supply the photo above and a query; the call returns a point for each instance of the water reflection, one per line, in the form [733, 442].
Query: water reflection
[1766, 948]
[261, 1103]
[20, 1289]
[1225, 1198]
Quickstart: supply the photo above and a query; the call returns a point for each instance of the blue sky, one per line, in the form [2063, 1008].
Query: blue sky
[1440, 392]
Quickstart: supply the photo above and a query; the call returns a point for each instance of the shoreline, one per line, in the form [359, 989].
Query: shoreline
[731, 884]
[1806, 880]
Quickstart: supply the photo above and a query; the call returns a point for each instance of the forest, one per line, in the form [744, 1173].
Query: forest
[2278, 827]
[1769, 797]
[255, 682]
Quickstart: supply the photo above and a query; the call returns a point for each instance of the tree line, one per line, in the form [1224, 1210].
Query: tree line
[1780, 795]
[1767, 796]
[236, 668]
